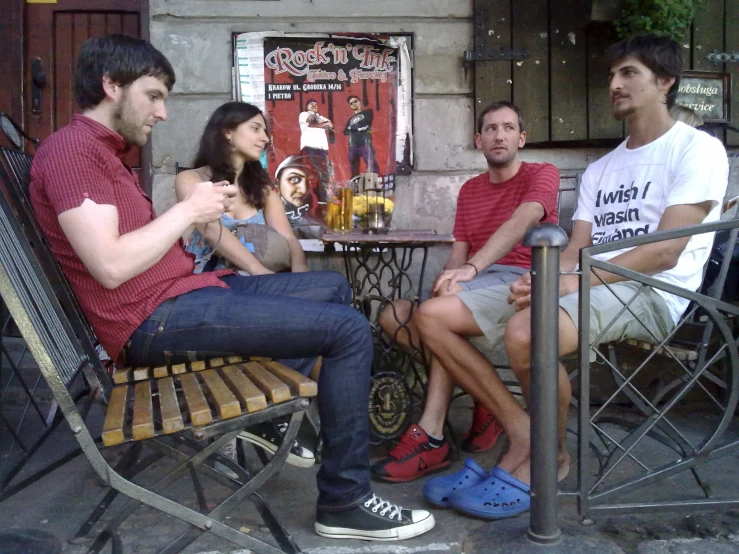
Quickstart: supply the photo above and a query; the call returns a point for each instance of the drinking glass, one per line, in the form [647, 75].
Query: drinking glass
[344, 222]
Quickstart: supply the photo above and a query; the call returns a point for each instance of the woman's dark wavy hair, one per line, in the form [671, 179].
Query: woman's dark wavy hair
[124, 59]
[662, 55]
[215, 152]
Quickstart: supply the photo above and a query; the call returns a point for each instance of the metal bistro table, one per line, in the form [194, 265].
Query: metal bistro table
[378, 267]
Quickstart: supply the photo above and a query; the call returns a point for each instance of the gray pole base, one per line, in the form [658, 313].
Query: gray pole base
[509, 536]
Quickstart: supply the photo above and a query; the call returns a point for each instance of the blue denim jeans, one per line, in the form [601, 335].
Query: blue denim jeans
[293, 317]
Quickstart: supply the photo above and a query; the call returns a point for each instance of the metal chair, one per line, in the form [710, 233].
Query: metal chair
[698, 361]
[35, 421]
[163, 408]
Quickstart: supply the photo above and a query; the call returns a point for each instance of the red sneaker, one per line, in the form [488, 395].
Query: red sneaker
[483, 433]
[412, 458]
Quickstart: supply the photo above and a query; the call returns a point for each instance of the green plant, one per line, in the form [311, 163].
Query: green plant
[669, 18]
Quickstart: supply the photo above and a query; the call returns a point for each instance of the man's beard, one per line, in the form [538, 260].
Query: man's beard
[124, 122]
[621, 114]
[497, 163]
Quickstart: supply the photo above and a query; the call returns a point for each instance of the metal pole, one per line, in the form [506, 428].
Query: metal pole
[545, 241]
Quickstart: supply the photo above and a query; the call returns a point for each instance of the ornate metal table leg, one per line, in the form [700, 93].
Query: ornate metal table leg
[380, 274]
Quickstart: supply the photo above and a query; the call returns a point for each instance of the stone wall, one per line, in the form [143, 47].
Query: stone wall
[196, 37]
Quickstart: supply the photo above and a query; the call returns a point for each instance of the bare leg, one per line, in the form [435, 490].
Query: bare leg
[518, 347]
[400, 312]
[440, 389]
[443, 324]
[440, 385]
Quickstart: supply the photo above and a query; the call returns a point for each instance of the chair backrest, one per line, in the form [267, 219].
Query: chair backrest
[567, 199]
[33, 282]
[713, 290]
[18, 166]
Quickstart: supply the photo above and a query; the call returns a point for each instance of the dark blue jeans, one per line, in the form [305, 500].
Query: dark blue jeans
[293, 317]
[359, 152]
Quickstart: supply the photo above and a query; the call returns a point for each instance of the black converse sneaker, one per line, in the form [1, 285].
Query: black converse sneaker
[269, 435]
[374, 519]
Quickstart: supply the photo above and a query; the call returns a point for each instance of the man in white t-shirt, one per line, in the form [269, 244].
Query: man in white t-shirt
[314, 144]
[663, 176]
[313, 127]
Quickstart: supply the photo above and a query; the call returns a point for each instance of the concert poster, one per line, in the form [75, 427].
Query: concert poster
[336, 107]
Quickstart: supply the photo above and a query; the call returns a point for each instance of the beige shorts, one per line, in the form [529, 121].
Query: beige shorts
[493, 275]
[491, 311]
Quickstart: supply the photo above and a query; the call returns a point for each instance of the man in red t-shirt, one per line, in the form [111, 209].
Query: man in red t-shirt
[494, 211]
[135, 282]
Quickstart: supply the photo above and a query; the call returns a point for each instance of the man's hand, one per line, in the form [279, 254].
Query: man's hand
[520, 292]
[446, 281]
[521, 289]
[208, 201]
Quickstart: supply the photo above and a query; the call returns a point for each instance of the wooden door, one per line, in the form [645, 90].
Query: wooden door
[11, 62]
[54, 34]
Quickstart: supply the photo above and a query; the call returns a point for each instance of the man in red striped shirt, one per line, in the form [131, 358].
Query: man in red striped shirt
[494, 211]
[135, 282]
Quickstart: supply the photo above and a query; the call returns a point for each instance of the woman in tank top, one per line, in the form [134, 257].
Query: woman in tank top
[230, 148]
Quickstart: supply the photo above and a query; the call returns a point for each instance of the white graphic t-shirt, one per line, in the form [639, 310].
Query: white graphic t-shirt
[311, 137]
[625, 193]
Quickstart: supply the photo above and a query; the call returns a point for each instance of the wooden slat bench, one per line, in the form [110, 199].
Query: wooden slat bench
[681, 354]
[152, 401]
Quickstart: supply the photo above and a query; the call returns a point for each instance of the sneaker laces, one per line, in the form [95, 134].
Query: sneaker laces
[383, 506]
[282, 428]
[408, 444]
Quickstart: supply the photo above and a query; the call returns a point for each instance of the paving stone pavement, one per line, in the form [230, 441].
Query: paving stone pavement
[60, 502]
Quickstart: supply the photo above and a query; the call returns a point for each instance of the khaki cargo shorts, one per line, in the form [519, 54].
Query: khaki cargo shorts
[490, 308]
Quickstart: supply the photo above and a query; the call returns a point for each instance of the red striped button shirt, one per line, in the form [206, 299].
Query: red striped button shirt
[482, 207]
[84, 160]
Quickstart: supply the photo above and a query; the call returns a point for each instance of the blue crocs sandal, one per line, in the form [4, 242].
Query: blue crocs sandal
[498, 497]
[438, 490]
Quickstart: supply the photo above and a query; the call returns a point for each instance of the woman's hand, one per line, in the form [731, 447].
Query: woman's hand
[259, 269]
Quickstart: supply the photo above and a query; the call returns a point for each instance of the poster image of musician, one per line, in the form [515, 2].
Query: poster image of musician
[331, 105]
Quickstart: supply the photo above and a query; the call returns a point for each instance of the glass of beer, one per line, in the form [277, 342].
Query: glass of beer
[332, 213]
[343, 220]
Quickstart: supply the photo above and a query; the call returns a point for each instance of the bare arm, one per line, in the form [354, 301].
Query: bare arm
[658, 256]
[112, 258]
[648, 259]
[323, 125]
[215, 234]
[274, 214]
[508, 235]
[319, 121]
[498, 245]
[568, 260]
[581, 238]
[459, 255]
